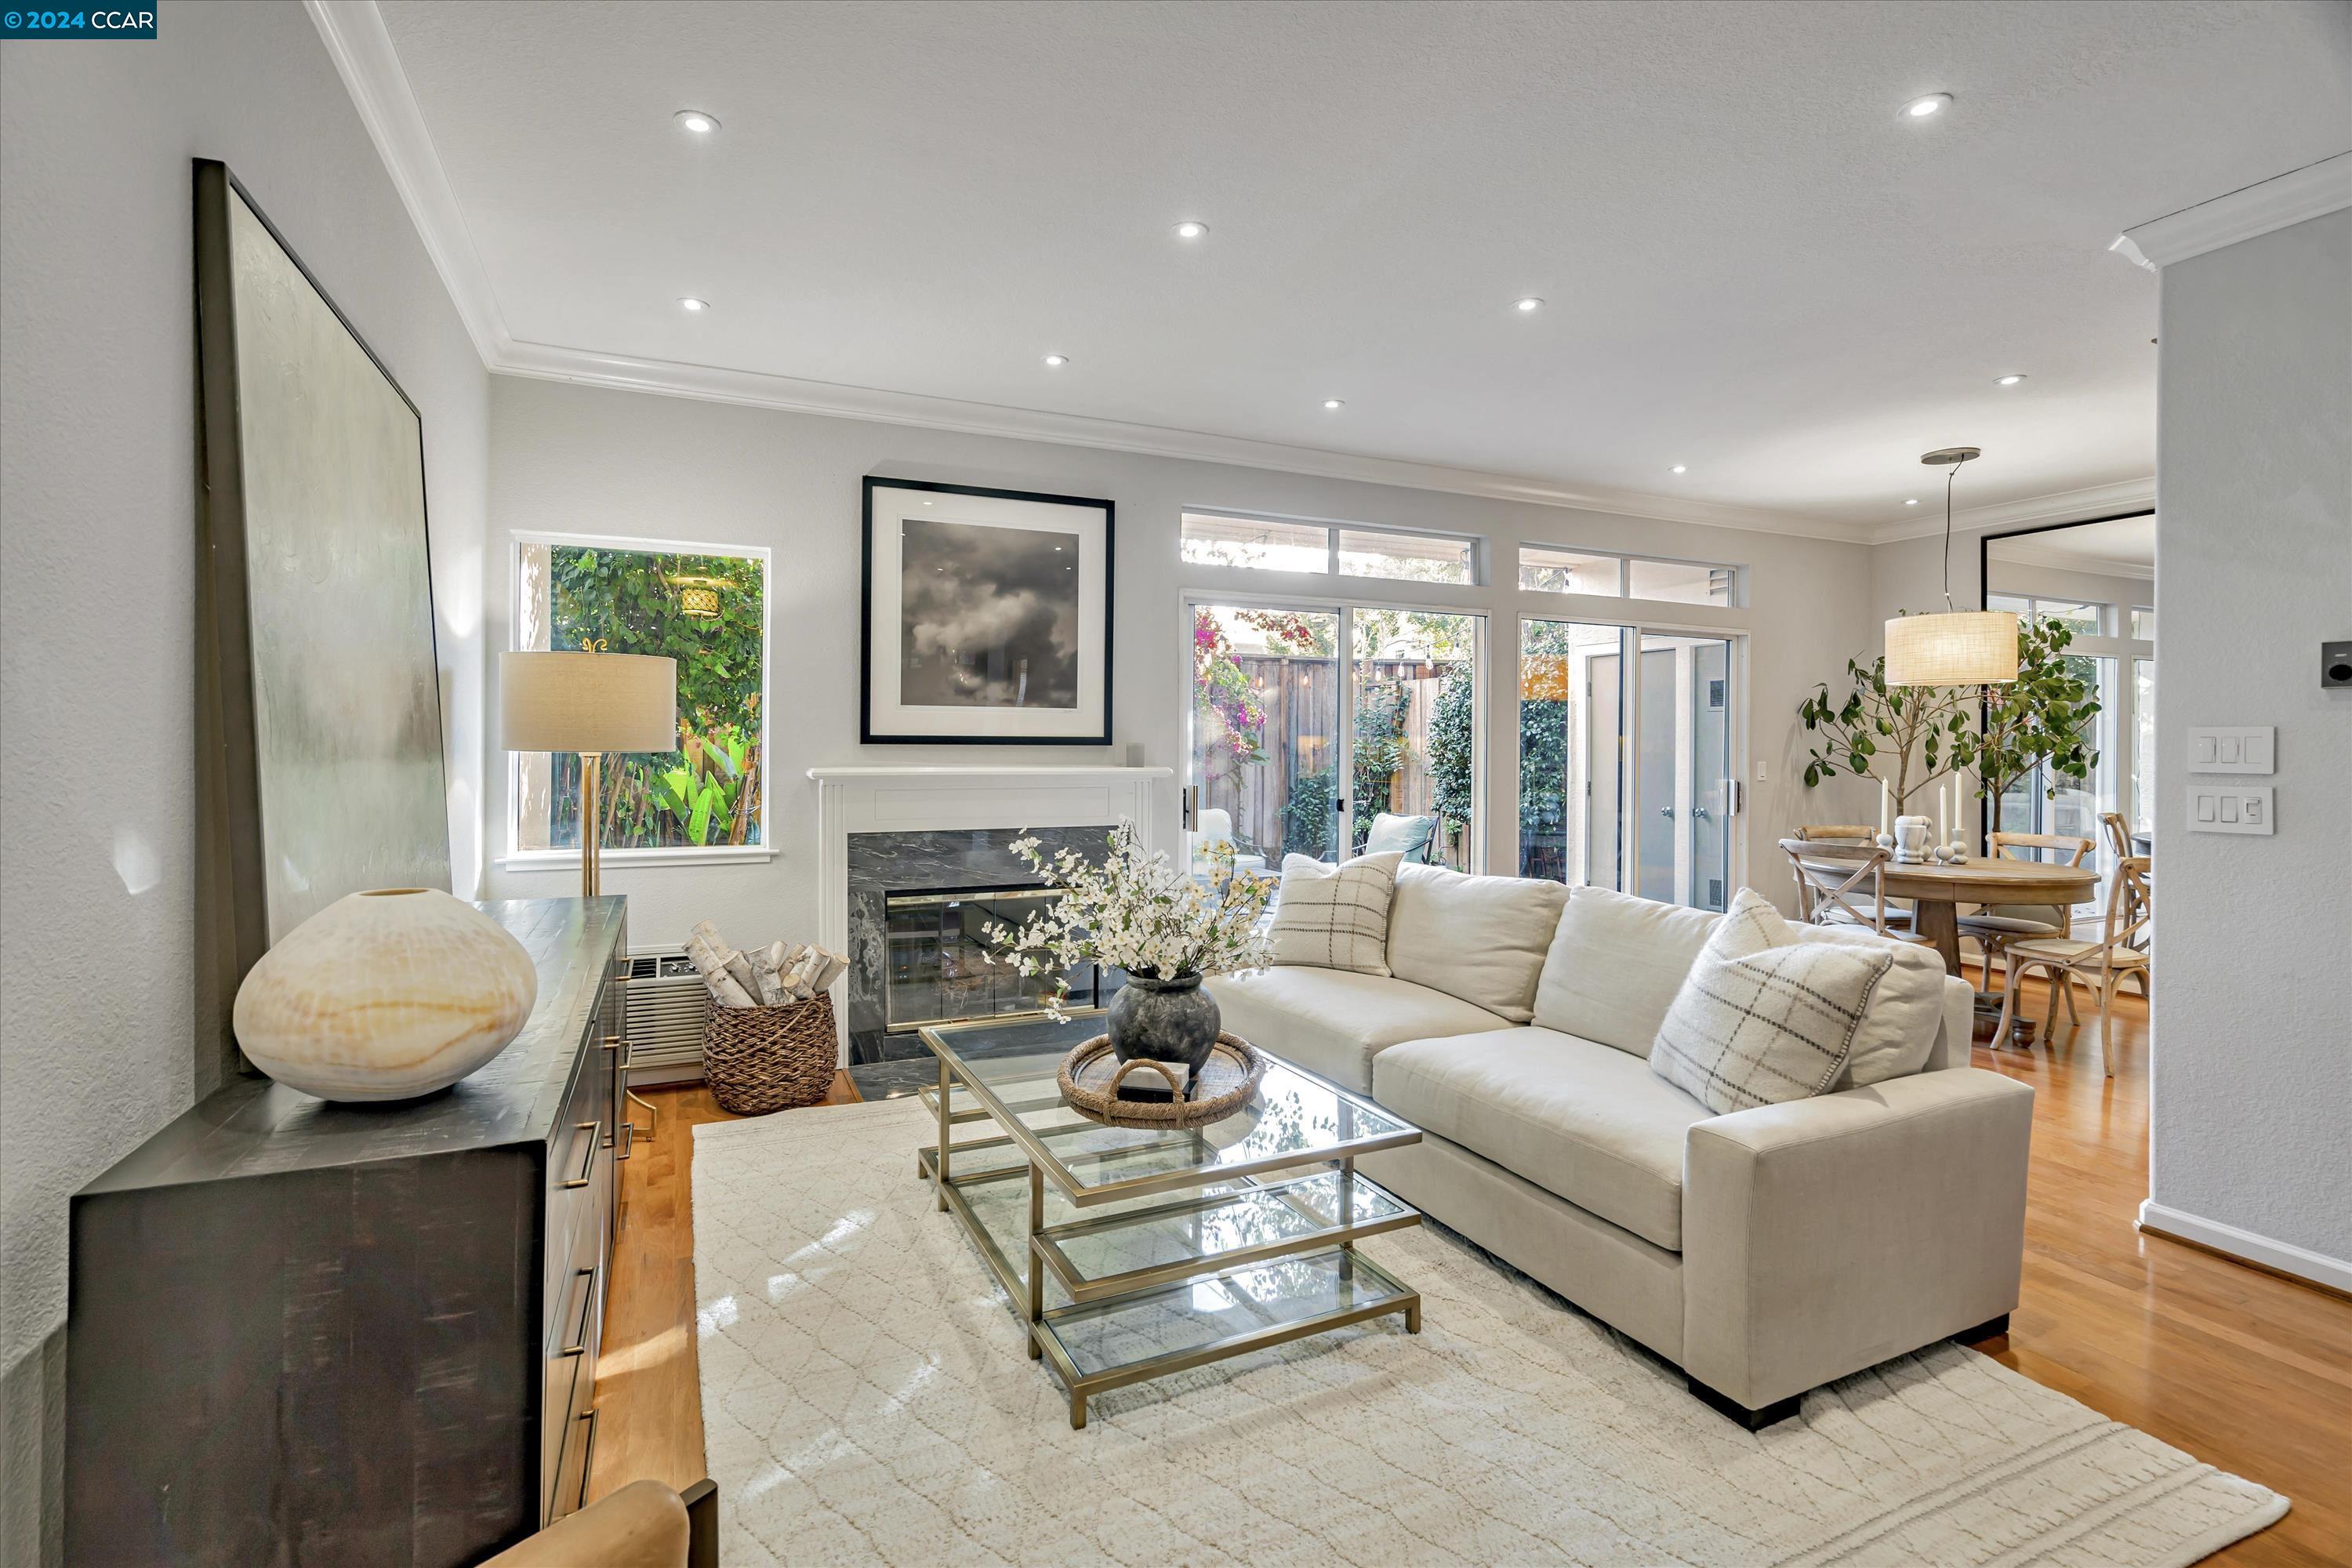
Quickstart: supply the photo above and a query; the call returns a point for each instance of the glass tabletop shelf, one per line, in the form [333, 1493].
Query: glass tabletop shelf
[1294, 1118]
[1097, 1256]
[1099, 1346]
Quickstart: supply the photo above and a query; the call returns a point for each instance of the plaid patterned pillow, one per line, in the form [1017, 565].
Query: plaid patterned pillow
[1763, 1018]
[1335, 916]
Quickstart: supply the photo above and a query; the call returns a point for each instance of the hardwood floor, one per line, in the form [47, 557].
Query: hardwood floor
[2246, 1369]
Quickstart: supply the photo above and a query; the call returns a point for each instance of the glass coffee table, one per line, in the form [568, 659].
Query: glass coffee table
[1133, 1253]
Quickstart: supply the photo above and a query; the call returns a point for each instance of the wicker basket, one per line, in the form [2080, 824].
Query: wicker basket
[758, 1059]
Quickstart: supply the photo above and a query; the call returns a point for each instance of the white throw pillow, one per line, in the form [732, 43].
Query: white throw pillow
[1767, 1016]
[1905, 1016]
[1615, 964]
[1335, 916]
[1482, 938]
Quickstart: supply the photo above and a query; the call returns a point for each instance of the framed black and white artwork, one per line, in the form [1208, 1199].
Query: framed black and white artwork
[987, 616]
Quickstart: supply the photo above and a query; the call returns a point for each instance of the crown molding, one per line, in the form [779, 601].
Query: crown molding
[2310, 192]
[2061, 506]
[356, 41]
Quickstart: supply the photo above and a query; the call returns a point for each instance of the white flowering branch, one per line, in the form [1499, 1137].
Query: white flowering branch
[1136, 913]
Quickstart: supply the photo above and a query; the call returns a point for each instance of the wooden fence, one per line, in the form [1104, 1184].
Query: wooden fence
[1300, 739]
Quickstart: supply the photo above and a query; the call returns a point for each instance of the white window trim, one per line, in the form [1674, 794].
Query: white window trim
[1473, 544]
[1625, 559]
[516, 857]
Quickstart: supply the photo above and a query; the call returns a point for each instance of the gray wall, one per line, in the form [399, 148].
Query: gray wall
[97, 588]
[2252, 1090]
[580, 459]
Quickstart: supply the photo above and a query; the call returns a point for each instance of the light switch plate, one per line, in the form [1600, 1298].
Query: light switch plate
[2231, 808]
[2233, 749]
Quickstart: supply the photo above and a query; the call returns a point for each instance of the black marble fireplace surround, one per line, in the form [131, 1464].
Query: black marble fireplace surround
[884, 863]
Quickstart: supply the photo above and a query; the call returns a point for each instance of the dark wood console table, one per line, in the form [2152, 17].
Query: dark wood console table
[311, 1333]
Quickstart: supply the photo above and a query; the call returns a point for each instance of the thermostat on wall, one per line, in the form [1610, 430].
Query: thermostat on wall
[2336, 663]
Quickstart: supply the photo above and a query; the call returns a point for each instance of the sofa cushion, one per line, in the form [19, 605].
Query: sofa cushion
[1482, 938]
[1582, 1120]
[1614, 965]
[1331, 1021]
[1335, 916]
[1764, 1018]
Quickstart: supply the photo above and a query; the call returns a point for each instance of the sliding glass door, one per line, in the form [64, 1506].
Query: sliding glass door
[1274, 770]
[1625, 760]
[1572, 761]
[1266, 733]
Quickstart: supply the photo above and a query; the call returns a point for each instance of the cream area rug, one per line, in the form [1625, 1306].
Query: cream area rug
[865, 1399]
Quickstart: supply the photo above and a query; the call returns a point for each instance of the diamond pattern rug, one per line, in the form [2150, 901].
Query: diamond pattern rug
[865, 1400]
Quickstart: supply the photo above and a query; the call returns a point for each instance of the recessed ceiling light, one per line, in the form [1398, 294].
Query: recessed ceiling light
[1529, 304]
[1333, 402]
[1679, 468]
[694, 120]
[1913, 502]
[2008, 380]
[1058, 361]
[1927, 108]
[693, 305]
[1190, 229]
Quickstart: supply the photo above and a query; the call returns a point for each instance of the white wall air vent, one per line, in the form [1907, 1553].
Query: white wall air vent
[666, 1007]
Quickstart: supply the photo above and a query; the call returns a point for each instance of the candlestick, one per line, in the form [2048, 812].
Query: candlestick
[1881, 808]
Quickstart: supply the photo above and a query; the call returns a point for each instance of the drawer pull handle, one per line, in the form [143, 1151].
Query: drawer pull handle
[628, 1139]
[587, 1304]
[588, 1459]
[589, 1163]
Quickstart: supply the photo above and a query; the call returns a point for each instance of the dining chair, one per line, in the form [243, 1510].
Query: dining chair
[2119, 839]
[1899, 913]
[1829, 874]
[2105, 963]
[1995, 926]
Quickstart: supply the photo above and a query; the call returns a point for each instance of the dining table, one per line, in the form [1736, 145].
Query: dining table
[1936, 889]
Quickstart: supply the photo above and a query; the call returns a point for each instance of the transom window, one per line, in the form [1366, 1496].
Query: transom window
[2088, 619]
[1552, 569]
[1273, 544]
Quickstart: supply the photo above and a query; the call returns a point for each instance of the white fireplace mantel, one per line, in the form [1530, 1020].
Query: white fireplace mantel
[953, 796]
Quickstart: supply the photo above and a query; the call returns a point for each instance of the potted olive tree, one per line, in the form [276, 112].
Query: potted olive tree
[1909, 737]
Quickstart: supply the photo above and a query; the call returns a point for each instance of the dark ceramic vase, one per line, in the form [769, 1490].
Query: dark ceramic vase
[1164, 1020]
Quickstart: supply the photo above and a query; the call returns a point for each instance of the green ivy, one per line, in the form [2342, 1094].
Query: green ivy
[1453, 747]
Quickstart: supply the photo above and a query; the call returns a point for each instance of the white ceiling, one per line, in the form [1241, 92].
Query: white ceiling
[2126, 545]
[1751, 266]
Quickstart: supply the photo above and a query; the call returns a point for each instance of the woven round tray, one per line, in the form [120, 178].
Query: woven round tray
[1091, 1078]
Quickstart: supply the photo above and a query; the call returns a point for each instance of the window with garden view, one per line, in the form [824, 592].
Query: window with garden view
[707, 612]
[1268, 751]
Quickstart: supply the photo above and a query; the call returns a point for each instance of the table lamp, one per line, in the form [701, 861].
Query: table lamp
[590, 703]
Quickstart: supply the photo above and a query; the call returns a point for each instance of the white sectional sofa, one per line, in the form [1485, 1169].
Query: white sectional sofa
[1764, 1252]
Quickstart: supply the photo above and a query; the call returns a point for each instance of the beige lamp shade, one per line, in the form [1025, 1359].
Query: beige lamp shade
[587, 702]
[1961, 647]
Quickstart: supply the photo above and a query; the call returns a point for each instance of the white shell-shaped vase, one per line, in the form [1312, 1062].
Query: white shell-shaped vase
[385, 996]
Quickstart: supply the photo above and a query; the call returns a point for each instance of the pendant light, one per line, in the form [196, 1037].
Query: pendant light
[1953, 647]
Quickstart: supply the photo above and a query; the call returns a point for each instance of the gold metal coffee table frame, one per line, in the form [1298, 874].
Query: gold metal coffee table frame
[1315, 1183]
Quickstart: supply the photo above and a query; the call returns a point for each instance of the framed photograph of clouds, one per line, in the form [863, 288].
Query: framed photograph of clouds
[987, 616]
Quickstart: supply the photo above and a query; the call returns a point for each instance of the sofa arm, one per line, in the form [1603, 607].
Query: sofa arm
[1824, 1236]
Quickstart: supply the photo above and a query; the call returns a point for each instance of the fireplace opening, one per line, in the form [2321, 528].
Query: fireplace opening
[938, 970]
